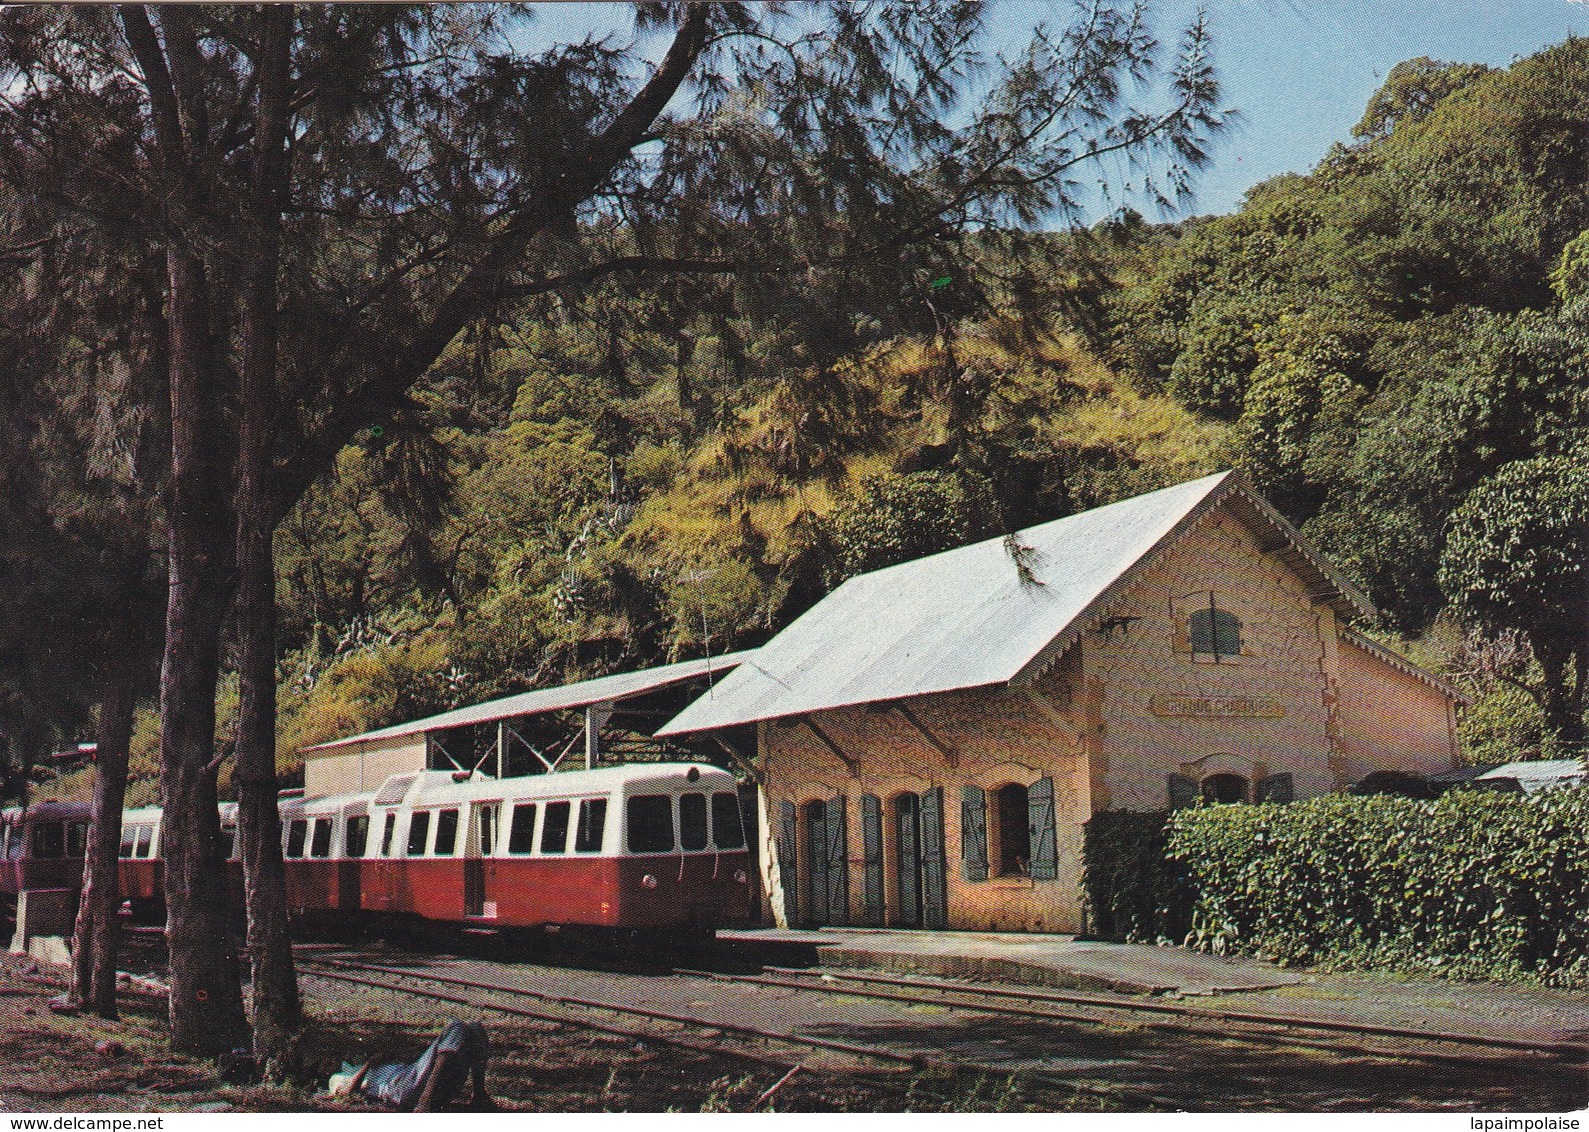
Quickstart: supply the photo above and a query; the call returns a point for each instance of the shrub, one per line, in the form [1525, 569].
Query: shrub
[1134, 891]
[1472, 884]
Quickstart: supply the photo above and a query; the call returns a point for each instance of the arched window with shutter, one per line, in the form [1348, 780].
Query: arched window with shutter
[1215, 632]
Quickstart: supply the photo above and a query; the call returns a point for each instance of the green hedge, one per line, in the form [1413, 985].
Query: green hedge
[1134, 891]
[1473, 884]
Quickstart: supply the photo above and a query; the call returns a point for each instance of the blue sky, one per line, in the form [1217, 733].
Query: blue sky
[1299, 72]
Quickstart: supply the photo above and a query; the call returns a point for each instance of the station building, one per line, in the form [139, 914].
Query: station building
[930, 738]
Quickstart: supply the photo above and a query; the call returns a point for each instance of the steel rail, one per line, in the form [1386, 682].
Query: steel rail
[876, 1053]
[816, 981]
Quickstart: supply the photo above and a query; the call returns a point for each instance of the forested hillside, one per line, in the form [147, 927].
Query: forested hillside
[638, 475]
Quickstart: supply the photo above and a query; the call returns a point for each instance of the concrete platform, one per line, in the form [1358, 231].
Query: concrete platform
[1042, 960]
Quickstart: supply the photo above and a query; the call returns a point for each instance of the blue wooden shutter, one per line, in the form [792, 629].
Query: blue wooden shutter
[788, 867]
[1183, 791]
[974, 832]
[935, 880]
[838, 863]
[1045, 842]
[872, 859]
[1274, 788]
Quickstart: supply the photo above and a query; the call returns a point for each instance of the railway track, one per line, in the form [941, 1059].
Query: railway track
[751, 1044]
[1313, 1033]
[1342, 1039]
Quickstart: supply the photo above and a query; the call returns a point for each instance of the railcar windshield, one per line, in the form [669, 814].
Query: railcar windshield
[49, 841]
[228, 841]
[728, 830]
[650, 823]
[386, 836]
[692, 821]
[143, 845]
[76, 838]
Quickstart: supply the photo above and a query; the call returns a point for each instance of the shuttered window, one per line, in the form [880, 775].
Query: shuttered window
[872, 859]
[1043, 830]
[1215, 632]
[838, 863]
[934, 868]
[1182, 791]
[1274, 788]
[788, 822]
[974, 833]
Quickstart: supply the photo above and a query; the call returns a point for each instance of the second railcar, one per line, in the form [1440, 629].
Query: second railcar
[650, 846]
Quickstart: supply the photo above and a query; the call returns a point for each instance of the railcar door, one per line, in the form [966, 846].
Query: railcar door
[479, 869]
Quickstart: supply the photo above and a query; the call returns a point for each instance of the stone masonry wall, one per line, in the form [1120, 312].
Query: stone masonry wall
[995, 736]
[1160, 710]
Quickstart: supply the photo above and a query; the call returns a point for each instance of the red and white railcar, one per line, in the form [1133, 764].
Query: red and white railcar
[656, 846]
[42, 846]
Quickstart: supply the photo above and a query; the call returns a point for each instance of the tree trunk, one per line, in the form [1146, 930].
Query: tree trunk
[206, 1003]
[274, 989]
[94, 940]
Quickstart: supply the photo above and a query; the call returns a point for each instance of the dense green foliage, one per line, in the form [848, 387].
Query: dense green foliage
[1473, 884]
[1135, 892]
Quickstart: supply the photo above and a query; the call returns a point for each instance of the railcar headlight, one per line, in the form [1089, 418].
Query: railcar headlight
[740, 877]
[648, 881]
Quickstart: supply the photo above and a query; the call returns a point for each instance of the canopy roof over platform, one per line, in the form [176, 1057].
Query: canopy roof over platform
[602, 690]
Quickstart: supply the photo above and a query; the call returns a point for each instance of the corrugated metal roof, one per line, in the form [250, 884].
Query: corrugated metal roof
[619, 686]
[965, 618]
[1540, 774]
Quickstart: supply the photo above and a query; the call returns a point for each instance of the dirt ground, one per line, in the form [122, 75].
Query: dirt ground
[57, 1063]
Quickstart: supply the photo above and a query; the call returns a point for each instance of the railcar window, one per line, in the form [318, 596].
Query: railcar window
[76, 838]
[386, 837]
[358, 833]
[521, 835]
[692, 821]
[446, 833]
[14, 846]
[320, 844]
[487, 828]
[297, 834]
[145, 841]
[49, 841]
[650, 821]
[592, 822]
[228, 841]
[418, 832]
[728, 831]
[554, 828]
[127, 832]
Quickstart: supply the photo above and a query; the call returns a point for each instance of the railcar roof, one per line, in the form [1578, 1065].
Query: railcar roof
[436, 786]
